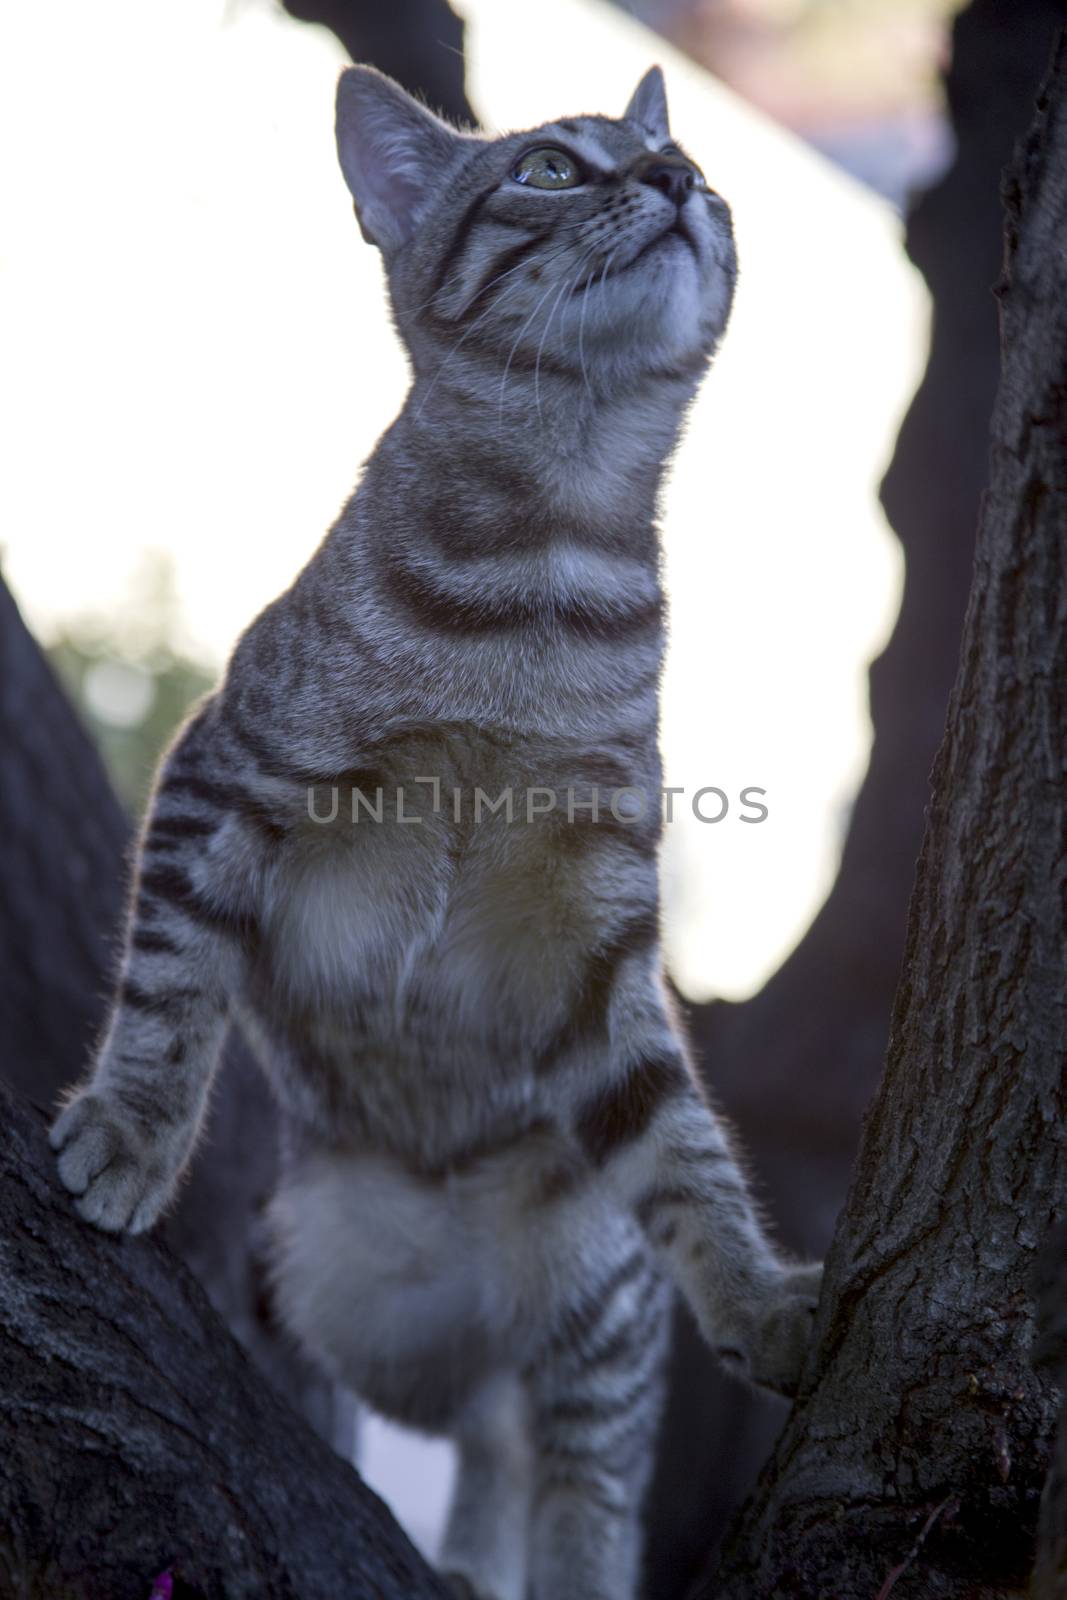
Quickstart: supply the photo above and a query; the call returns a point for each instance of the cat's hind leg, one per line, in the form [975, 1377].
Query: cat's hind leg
[596, 1394]
[484, 1549]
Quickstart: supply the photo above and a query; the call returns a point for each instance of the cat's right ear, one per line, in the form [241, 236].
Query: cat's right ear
[392, 152]
[648, 105]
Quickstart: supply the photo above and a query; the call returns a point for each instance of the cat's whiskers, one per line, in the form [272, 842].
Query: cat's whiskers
[454, 349]
[569, 228]
[544, 335]
[607, 263]
[515, 346]
[581, 325]
[527, 261]
[494, 306]
[587, 289]
[581, 347]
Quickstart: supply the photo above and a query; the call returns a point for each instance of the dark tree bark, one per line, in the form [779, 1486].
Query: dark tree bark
[795, 1066]
[64, 849]
[135, 1436]
[1050, 1353]
[62, 840]
[417, 42]
[915, 1456]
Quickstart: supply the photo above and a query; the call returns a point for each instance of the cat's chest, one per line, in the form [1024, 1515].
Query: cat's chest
[390, 917]
[471, 902]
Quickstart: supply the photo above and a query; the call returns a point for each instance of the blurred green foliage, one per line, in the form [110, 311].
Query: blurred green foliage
[131, 678]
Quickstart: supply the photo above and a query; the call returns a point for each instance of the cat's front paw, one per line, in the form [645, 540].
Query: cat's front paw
[773, 1352]
[122, 1179]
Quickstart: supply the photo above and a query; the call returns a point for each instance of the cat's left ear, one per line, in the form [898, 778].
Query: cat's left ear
[649, 105]
[392, 153]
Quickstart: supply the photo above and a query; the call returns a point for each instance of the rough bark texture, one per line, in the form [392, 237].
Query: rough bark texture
[136, 1436]
[1050, 1353]
[796, 1066]
[64, 846]
[915, 1456]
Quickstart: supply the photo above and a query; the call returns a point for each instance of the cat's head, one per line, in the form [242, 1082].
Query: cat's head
[593, 244]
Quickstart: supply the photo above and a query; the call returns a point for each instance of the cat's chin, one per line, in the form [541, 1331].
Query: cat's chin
[676, 307]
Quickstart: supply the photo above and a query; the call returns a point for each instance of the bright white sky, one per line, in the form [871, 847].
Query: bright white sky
[197, 360]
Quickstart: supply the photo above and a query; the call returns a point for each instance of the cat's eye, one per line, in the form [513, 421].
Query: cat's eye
[547, 168]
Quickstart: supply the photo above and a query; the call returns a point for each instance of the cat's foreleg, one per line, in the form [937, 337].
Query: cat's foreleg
[596, 1394]
[667, 1156]
[485, 1544]
[125, 1134]
[690, 1195]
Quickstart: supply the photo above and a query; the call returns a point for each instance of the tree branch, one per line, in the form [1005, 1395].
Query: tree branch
[136, 1436]
[795, 1066]
[1050, 1352]
[921, 1387]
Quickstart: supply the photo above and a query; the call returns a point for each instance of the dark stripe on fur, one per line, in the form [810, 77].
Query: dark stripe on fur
[655, 1200]
[605, 1407]
[435, 608]
[621, 1113]
[499, 1142]
[589, 1012]
[180, 826]
[578, 1323]
[140, 1101]
[225, 797]
[263, 752]
[605, 1455]
[153, 943]
[228, 797]
[486, 347]
[501, 268]
[172, 886]
[157, 1005]
[634, 1333]
[462, 537]
[460, 237]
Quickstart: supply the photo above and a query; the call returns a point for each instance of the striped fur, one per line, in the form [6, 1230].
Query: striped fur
[498, 1153]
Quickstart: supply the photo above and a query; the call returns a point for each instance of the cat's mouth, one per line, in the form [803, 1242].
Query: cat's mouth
[682, 230]
[679, 229]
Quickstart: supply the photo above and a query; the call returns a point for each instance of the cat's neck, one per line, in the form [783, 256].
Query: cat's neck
[526, 468]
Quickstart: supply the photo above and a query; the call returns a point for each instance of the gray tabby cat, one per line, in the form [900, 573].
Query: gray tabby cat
[497, 1151]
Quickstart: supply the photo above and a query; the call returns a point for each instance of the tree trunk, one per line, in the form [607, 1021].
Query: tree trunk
[62, 840]
[915, 1456]
[64, 851]
[795, 1066]
[1050, 1352]
[136, 1437]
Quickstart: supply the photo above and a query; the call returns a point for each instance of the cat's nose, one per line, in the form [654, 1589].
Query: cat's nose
[672, 175]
